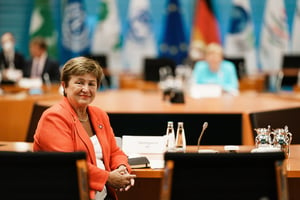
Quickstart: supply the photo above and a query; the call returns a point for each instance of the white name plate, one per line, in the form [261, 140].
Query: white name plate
[143, 144]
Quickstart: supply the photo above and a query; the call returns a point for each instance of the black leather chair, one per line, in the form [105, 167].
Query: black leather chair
[278, 119]
[290, 69]
[152, 66]
[43, 175]
[102, 60]
[239, 64]
[232, 176]
[37, 111]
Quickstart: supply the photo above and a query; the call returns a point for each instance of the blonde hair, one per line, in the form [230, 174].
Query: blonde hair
[214, 48]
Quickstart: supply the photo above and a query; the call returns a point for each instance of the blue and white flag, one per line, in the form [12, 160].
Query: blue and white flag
[295, 41]
[139, 40]
[75, 31]
[274, 37]
[174, 42]
[240, 40]
[107, 38]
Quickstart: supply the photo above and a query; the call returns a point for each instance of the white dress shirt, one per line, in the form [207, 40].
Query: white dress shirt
[38, 64]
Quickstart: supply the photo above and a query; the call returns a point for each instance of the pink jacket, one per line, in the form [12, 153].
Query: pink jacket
[60, 130]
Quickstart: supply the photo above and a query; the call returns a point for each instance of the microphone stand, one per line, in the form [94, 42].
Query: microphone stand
[205, 124]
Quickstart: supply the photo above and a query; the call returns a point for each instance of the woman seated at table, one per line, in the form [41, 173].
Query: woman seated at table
[74, 125]
[215, 70]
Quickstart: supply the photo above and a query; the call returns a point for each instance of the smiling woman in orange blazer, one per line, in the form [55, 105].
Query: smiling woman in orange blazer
[74, 125]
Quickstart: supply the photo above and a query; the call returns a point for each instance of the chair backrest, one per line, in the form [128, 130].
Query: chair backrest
[278, 119]
[102, 60]
[153, 65]
[224, 176]
[239, 64]
[290, 66]
[37, 111]
[44, 175]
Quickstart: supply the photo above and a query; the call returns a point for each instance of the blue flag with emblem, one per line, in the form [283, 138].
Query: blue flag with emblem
[75, 31]
[240, 40]
[174, 42]
[295, 39]
[274, 37]
[139, 42]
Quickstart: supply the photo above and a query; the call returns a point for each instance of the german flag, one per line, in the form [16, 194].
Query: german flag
[205, 25]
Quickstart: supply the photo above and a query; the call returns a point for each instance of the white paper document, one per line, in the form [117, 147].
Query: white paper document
[205, 91]
[143, 144]
[153, 147]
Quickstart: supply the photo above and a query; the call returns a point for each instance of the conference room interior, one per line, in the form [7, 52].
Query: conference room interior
[137, 105]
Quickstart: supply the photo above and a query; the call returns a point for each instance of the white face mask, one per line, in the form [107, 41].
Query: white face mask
[8, 46]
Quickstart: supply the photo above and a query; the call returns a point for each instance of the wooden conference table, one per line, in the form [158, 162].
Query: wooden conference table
[15, 110]
[135, 112]
[148, 181]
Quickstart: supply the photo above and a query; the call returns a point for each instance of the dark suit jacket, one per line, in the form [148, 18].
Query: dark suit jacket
[19, 61]
[51, 67]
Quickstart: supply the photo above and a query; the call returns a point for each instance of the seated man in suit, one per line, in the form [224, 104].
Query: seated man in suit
[40, 65]
[10, 59]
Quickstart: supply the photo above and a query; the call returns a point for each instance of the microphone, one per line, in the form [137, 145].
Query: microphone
[204, 127]
[47, 81]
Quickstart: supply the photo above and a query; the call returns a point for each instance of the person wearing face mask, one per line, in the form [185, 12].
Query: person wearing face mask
[10, 59]
[196, 53]
[215, 70]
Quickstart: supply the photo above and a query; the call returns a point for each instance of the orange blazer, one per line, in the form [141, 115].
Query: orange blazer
[59, 129]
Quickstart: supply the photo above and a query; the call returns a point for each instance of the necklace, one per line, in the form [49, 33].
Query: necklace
[84, 120]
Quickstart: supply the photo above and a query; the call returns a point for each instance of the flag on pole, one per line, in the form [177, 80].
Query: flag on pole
[239, 42]
[274, 36]
[42, 25]
[296, 30]
[75, 31]
[107, 38]
[174, 42]
[205, 25]
[139, 40]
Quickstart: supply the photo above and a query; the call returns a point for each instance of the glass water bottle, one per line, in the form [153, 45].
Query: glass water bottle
[170, 133]
[180, 143]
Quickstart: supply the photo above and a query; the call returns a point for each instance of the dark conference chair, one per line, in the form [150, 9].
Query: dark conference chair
[232, 176]
[44, 175]
[102, 60]
[37, 111]
[290, 69]
[278, 119]
[240, 66]
[152, 66]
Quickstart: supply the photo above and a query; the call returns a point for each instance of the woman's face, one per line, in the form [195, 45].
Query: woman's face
[81, 90]
[214, 59]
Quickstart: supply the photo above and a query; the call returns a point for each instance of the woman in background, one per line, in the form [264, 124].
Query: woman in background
[215, 70]
[74, 125]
